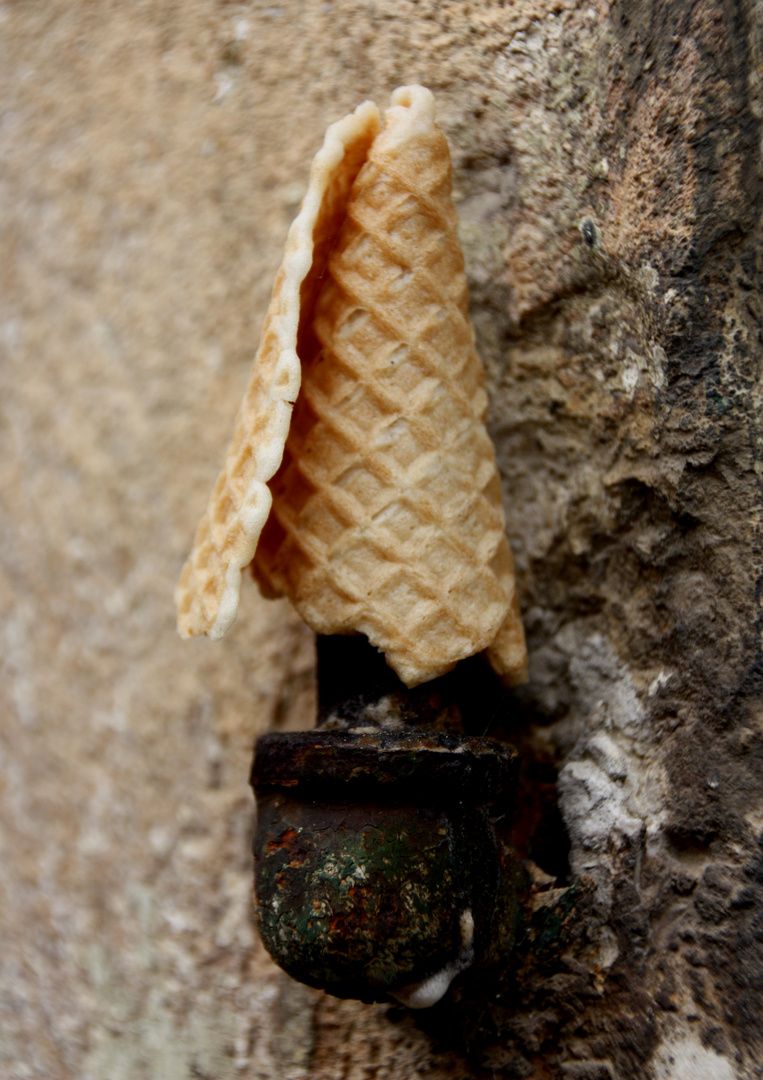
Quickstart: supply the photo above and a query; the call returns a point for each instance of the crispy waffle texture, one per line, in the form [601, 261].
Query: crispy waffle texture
[208, 590]
[376, 506]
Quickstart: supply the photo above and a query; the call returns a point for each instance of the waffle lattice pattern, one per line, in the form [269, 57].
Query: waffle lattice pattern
[208, 590]
[387, 516]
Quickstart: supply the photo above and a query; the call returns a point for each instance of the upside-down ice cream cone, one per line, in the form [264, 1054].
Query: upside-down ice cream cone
[376, 505]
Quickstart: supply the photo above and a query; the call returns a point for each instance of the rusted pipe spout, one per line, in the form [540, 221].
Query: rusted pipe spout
[378, 871]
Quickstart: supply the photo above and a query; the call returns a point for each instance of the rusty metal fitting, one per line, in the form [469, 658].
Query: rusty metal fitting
[378, 871]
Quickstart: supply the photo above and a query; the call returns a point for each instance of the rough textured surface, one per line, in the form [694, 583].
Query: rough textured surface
[607, 162]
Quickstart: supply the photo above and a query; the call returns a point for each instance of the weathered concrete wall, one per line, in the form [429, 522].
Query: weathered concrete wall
[607, 169]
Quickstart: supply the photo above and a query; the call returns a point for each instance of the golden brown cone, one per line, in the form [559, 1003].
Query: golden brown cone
[386, 517]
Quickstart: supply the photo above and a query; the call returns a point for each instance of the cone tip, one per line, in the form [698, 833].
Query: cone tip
[414, 97]
[411, 113]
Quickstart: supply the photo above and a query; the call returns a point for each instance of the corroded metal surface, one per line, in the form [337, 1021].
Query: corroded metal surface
[351, 897]
[444, 766]
[377, 865]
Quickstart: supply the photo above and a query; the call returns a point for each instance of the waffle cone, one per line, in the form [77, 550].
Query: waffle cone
[386, 515]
